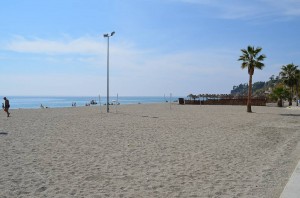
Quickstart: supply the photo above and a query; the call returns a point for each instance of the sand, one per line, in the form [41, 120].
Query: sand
[148, 151]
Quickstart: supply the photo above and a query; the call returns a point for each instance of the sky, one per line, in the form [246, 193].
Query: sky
[57, 48]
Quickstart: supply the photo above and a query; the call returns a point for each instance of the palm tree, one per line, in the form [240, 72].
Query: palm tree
[251, 60]
[279, 93]
[190, 96]
[289, 75]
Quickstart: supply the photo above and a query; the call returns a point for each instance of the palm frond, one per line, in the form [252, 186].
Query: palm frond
[257, 50]
[261, 57]
[259, 65]
[251, 59]
[250, 49]
[244, 65]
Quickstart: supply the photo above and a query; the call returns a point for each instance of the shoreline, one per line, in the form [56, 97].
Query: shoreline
[96, 106]
[58, 102]
[149, 150]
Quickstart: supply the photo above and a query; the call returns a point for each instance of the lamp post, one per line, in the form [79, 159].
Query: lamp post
[107, 36]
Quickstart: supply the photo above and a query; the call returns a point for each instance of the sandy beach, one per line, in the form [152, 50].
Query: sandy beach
[148, 150]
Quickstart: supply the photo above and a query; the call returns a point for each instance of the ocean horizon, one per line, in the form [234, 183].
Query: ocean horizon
[35, 102]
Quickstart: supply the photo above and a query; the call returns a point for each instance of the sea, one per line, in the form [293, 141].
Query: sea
[34, 102]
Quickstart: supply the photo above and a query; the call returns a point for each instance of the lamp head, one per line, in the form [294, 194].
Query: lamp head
[112, 33]
[105, 35]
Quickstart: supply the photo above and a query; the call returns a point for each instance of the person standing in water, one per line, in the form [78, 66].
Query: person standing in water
[6, 106]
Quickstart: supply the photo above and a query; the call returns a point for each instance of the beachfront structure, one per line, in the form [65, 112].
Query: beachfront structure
[223, 99]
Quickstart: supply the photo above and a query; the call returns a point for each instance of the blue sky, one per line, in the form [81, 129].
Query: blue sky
[57, 48]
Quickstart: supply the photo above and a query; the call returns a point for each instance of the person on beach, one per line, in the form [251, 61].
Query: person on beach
[6, 106]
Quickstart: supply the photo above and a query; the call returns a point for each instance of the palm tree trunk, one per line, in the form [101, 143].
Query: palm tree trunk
[279, 102]
[249, 94]
[291, 96]
[297, 94]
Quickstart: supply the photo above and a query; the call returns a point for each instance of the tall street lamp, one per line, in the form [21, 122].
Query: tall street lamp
[107, 36]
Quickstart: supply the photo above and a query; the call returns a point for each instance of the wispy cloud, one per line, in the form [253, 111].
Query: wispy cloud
[129, 65]
[83, 49]
[82, 45]
[124, 55]
[285, 7]
[236, 9]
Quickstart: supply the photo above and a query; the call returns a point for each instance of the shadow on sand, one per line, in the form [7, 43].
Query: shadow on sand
[293, 115]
